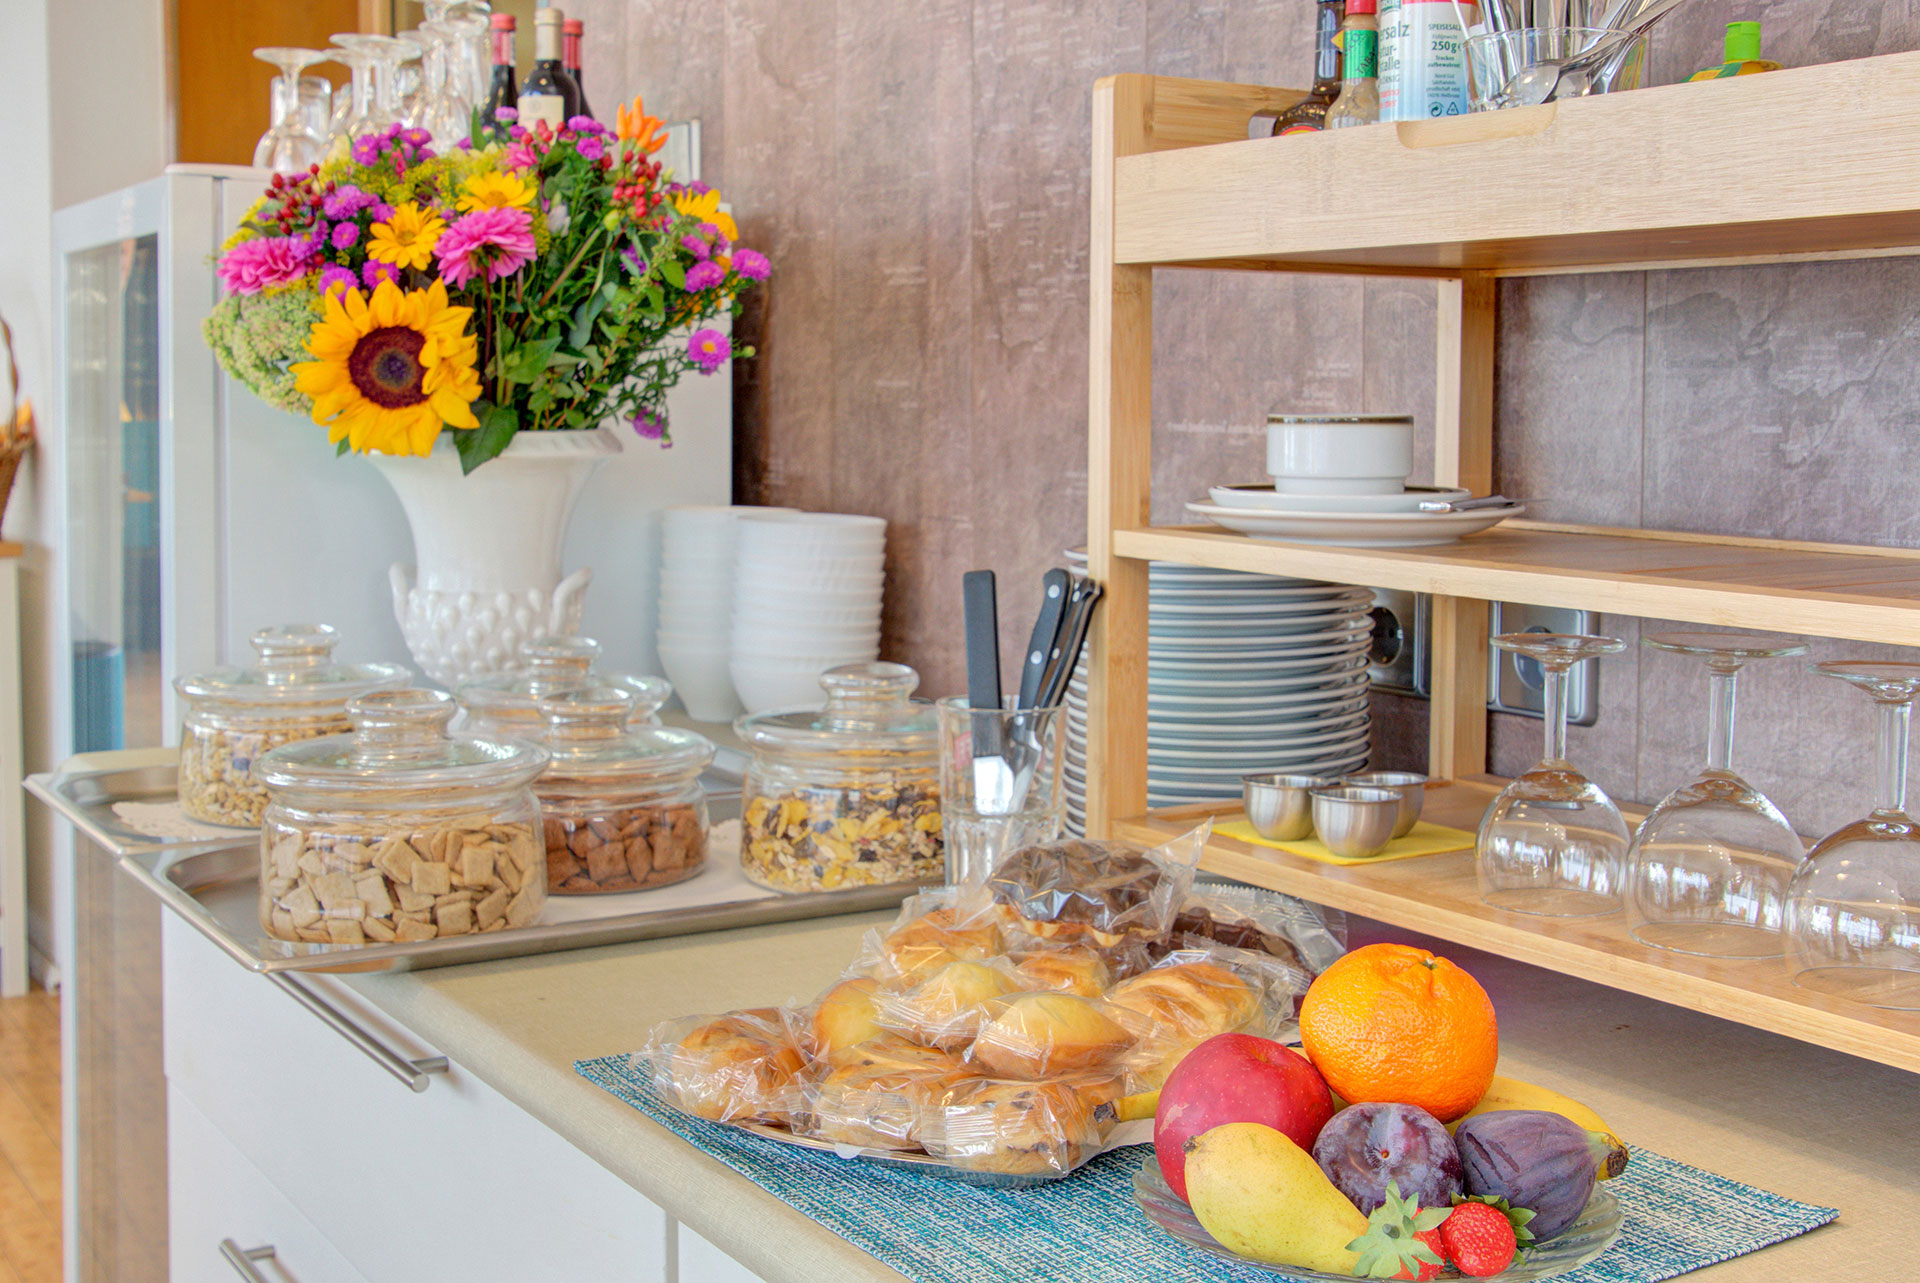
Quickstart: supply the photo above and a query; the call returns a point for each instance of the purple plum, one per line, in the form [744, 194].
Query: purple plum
[1366, 1146]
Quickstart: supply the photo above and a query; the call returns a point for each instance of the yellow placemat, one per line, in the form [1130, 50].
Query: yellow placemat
[1425, 839]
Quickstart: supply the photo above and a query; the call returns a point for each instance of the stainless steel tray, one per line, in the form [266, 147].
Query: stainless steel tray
[214, 885]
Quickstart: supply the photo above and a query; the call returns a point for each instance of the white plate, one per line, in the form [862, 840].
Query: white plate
[1279, 659]
[1265, 497]
[1253, 680]
[1251, 588]
[1218, 729]
[1344, 629]
[1246, 631]
[1216, 608]
[1341, 687]
[1356, 530]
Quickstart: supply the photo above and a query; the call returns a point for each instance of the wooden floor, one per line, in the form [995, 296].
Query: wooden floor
[30, 1138]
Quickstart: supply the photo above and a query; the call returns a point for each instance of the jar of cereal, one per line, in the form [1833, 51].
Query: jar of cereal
[509, 704]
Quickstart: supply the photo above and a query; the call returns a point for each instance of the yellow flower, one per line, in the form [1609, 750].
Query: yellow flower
[486, 191]
[705, 208]
[387, 374]
[406, 239]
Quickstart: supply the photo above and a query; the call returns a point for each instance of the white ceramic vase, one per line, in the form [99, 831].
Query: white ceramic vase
[486, 571]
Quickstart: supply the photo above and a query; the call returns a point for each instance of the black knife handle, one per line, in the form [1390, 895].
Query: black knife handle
[983, 638]
[1055, 586]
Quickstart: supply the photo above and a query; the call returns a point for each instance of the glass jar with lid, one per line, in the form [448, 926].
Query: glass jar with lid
[400, 831]
[510, 703]
[621, 805]
[234, 715]
[847, 795]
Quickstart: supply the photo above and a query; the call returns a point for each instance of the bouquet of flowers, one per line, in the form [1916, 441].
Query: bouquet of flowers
[525, 280]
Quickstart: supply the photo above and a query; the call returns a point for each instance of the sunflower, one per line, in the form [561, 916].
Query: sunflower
[387, 374]
[485, 191]
[705, 208]
[406, 239]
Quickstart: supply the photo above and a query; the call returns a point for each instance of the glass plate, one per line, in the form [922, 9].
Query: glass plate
[1585, 1240]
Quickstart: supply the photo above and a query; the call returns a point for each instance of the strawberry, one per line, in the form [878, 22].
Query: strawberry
[1478, 1239]
[1402, 1241]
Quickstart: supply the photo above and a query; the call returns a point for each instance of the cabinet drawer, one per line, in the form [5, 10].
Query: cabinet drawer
[453, 1182]
[216, 1195]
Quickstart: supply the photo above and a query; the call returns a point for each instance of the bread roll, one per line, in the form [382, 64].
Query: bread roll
[740, 1067]
[946, 1009]
[844, 1018]
[1039, 1035]
[1184, 1004]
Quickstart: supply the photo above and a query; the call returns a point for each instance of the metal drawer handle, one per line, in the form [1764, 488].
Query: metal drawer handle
[416, 1074]
[242, 1259]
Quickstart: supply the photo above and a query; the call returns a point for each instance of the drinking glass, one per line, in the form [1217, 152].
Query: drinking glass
[449, 116]
[288, 146]
[1853, 910]
[1553, 842]
[354, 100]
[418, 77]
[1009, 795]
[1709, 867]
[383, 55]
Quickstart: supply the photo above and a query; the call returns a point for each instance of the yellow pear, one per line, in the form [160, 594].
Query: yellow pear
[1264, 1197]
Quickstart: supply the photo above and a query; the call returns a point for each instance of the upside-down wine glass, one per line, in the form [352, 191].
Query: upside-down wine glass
[1553, 842]
[353, 100]
[1709, 867]
[419, 77]
[288, 146]
[463, 52]
[384, 54]
[1853, 912]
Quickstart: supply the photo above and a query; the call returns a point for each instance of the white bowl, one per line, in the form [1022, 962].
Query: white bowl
[813, 534]
[700, 677]
[749, 611]
[1339, 453]
[692, 523]
[772, 562]
[780, 648]
[761, 688]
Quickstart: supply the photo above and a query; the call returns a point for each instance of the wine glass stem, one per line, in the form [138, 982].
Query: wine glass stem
[1895, 718]
[1554, 706]
[1720, 693]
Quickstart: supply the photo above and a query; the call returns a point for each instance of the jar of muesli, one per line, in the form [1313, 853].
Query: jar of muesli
[234, 715]
[621, 806]
[509, 704]
[400, 831]
[847, 795]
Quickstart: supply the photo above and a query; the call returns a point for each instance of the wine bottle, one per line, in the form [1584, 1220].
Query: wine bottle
[549, 93]
[501, 92]
[571, 32]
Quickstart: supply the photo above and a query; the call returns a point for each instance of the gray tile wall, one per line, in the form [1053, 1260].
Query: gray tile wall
[918, 171]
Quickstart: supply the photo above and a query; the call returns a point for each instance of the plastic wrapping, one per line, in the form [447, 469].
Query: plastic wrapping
[933, 929]
[878, 1098]
[1193, 996]
[1097, 893]
[1071, 970]
[946, 1008]
[745, 1066]
[844, 1017]
[1017, 1127]
[1306, 937]
[1032, 1036]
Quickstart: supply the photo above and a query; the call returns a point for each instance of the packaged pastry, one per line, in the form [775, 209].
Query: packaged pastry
[1019, 1128]
[929, 935]
[1071, 970]
[1307, 937]
[234, 716]
[1182, 1003]
[843, 1018]
[744, 1066]
[877, 1098]
[1103, 894]
[509, 704]
[946, 1008]
[1044, 1035]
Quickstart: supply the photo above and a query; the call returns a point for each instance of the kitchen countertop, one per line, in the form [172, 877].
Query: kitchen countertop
[1811, 1124]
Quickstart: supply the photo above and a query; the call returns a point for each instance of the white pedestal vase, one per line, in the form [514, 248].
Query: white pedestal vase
[486, 573]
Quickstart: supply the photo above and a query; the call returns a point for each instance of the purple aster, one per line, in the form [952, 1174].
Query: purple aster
[252, 266]
[495, 241]
[375, 272]
[590, 147]
[709, 349]
[420, 138]
[345, 202]
[631, 257]
[366, 150]
[704, 276]
[337, 278]
[697, 246]
[506, 113]
[382, 212]
[587, 125]
[752, 264]
[345, 235]
[651, 423]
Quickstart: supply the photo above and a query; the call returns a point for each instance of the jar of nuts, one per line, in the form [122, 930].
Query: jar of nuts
[400, 832]
[234, 715]
[509, 704]
[621, 806]
[847, 795]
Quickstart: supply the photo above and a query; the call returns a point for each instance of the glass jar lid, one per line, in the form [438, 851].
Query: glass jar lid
[295, 667]
[869, 709]
[400, 745]
[553, 666]
[588, 734]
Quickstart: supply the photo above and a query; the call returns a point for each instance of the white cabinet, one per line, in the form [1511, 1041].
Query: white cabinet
[701, 1262]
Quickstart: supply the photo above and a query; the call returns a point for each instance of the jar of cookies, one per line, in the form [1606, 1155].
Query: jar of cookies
[234, 715]
[509, 704]
[621, 806]
[400, 831]
[847, 795]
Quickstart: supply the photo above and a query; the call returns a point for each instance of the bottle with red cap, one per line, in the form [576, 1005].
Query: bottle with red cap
[1359, 100]
[571, 33]
[502, 91]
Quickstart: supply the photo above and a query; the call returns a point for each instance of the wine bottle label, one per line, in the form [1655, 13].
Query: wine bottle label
[551, 108]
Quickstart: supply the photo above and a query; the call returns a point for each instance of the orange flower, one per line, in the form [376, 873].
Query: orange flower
[634, 125]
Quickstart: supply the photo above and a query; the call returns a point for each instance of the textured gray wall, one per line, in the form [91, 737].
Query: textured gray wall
[918, 170]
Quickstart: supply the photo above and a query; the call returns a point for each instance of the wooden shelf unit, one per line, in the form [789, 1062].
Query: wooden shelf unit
[1810, 163]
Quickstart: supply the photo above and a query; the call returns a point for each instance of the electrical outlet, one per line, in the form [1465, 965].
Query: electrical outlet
[1401, 660]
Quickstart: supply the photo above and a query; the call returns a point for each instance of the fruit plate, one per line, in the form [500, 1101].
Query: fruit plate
[1585, 1240]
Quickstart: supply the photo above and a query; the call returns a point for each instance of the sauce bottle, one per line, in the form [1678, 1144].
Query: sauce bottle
[1310, 113]
[1743, 54]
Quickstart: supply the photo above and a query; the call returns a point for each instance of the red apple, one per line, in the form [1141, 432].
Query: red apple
[1237, 1078]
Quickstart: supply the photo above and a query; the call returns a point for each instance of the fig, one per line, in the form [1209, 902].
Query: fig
[1535, 1160]
[1366, 1146]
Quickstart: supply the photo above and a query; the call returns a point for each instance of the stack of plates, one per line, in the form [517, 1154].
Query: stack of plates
[1245, 673]
[1349, 520]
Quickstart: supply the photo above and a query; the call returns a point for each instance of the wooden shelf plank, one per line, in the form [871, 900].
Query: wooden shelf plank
[1862, 595]
[1438, 895]
[1818, 160]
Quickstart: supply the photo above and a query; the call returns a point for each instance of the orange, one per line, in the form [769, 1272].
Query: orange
[1394, 1023]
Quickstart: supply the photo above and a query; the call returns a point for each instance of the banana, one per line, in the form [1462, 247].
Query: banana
[1512, 1093]
[1130, 1109]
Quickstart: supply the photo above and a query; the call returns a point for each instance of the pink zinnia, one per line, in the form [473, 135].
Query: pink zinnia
[752, 264]
[709, 349]
[704, 276]
[252, 266]
[495, 242]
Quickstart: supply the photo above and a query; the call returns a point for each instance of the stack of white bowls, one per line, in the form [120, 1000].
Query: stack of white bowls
[1245, 673]
[698, 549]
[806, 594]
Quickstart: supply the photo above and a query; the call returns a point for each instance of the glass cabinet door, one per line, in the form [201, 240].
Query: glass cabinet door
[113, 498]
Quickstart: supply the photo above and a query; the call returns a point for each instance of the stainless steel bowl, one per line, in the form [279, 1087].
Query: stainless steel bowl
[1355, 822]
[1411, 788]
[1280, 807]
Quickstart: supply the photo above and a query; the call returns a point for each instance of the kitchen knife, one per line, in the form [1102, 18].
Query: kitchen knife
[1055, 586]
[1073, 635]
[992, 776]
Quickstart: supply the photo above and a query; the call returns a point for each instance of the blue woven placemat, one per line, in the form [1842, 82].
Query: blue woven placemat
[1085, 1229]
